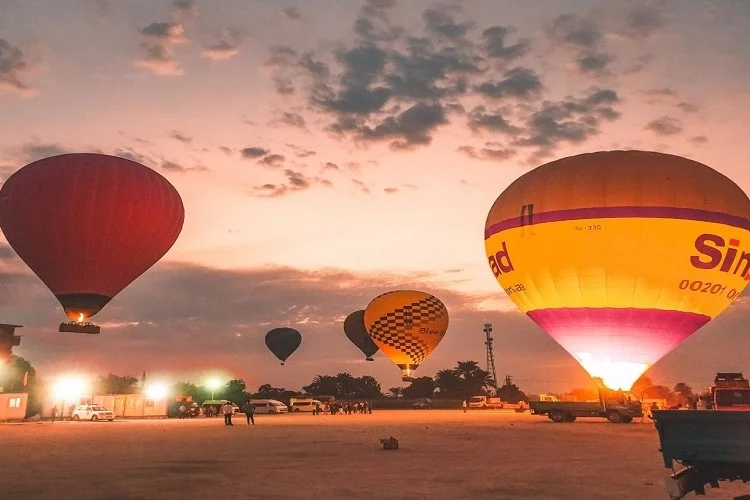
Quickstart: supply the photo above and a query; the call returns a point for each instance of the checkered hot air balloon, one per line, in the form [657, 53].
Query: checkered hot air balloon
[406, 325]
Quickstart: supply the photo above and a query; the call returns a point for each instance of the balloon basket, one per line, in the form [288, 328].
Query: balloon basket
[369, 359]
[407, 379]
[74, 327]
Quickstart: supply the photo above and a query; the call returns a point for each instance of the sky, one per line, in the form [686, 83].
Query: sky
[327, 151]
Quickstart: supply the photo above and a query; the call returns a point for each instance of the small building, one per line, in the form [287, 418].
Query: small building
[123, 405]
[13, 405]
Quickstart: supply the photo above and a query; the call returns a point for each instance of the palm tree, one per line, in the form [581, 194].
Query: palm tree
[474, 379]
[449, 383]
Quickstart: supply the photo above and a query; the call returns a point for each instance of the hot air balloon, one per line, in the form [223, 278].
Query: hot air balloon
[282, 342]
[354, 328]
[407, 325]
[621, 255]
[88, 225]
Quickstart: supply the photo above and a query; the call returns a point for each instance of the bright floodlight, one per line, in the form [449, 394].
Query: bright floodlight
[156, 391]
[70, 387]
[213, 383]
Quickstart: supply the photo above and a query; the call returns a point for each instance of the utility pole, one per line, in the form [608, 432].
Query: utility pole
[490, 353]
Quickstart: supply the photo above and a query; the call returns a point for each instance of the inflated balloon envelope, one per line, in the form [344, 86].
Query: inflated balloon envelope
[89, 224]
[406, 325]
[620, 256]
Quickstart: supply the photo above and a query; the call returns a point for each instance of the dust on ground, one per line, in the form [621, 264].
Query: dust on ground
[442, 454]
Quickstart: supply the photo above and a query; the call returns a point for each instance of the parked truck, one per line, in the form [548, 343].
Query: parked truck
[710, 445]
[615, 406]
[485, 403]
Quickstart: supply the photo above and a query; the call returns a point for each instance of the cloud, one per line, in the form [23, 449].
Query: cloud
[295, 181]
[133, 155]
[253, 152]
[225, 48]
[585, 38]
[644, 20]
[171, 166]
[179, 136]
[688, 107]
[488, 154]
[408, 129]
[159, 40]
[330, 166]
[184, 10]
[664, 126]
[301, 152]
[495, 44]
[569, 120]
[291, 119]
[13, 69]
[698, 140]
[521, 83]
[291, 14]
[480, 118]
[272, 160]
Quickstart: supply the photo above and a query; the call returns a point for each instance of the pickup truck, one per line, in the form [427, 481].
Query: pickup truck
[615, 406]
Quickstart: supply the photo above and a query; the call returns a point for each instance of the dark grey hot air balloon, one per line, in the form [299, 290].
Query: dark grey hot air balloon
[354, 328]
[283, 342]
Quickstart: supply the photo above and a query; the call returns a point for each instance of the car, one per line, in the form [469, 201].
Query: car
[305, 405]
[212, 407]
[269, 406]
[422, 404]
[92, 412]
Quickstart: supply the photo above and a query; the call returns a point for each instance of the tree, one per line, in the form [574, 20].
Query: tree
[449, 384]
[323, 385]
[368, 388]
[511, 393]
[236, 391]
[266, 391]
[474, 380]
[116, 384]
[422, 387]
[20, 376]
[396, 391]
[684, 392]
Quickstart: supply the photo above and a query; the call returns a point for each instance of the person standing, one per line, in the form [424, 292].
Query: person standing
[227, 410]
[54, 413]
[183, 411]
[249, 410]
[464, 405]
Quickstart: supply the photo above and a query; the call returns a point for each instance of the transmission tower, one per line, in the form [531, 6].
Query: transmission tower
[490, 353]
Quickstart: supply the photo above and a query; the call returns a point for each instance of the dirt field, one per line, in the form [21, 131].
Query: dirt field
[443, 454]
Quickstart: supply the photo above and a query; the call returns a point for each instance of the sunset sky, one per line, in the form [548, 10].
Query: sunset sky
[327, 151]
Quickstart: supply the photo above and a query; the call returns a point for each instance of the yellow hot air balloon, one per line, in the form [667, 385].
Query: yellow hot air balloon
[406, 325]
[621, 255]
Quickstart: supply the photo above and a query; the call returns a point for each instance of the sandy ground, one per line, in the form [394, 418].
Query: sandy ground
[442, 454]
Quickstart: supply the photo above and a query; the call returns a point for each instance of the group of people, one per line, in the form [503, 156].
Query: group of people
[341, 408]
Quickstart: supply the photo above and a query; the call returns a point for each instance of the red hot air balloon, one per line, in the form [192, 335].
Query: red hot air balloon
[88, 225]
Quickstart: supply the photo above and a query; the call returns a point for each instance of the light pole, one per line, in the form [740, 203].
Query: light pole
[213, 384]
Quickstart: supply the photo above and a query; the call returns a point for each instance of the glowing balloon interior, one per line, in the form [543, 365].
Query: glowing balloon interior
[282, 342]
[406, 325]
[620, 256]
[89, 224]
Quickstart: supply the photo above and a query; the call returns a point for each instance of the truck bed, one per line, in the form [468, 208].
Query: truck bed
[575, 407]
[704, 436]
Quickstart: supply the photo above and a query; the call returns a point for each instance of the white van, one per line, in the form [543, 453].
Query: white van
[305, 405]
[269, 406]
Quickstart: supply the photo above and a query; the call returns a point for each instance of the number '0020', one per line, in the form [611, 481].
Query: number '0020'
[707, 287]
